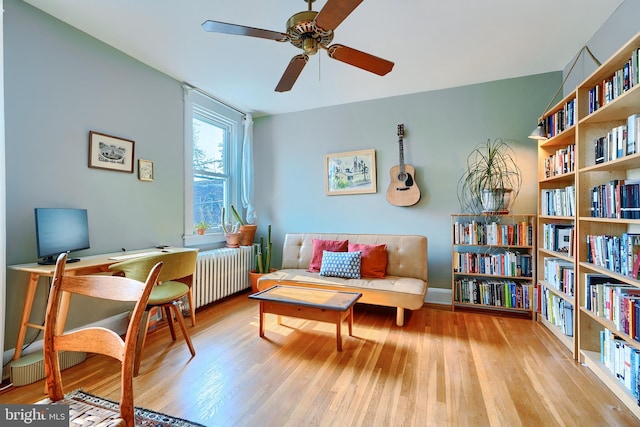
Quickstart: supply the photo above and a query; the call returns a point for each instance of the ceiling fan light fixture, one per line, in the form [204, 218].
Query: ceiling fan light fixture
[310, 46]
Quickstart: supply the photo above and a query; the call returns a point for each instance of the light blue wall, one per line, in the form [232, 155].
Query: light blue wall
[59, 85]
[442, 127]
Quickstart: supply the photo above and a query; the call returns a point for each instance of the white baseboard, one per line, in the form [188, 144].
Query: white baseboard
[438, 296]
[117, 323]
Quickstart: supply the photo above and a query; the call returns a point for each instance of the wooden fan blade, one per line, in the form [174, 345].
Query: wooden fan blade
[292, 72]
[241, 30]
[360, 59]
[334, 12]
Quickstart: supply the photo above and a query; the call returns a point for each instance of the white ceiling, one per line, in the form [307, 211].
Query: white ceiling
[435, 44]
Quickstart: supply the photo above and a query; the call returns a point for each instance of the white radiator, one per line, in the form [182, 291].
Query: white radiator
[220, 273]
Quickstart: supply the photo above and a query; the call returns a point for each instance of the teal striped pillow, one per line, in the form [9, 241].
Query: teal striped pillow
[341, 264]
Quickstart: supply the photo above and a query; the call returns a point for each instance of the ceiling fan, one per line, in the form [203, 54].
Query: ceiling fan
[310, 30]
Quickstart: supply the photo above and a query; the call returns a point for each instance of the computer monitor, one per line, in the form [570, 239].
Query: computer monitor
[60, 230]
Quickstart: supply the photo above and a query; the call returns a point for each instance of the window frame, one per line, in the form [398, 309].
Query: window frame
[197, 103]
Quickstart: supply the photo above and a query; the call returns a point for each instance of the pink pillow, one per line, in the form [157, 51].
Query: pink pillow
[325, 245]
[374, 259]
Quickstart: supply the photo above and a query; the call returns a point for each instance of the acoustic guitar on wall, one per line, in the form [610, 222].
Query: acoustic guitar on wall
[403, 190]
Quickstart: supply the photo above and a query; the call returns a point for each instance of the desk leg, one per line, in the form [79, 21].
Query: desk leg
[26, 313]
[65, 300]
[261, 319]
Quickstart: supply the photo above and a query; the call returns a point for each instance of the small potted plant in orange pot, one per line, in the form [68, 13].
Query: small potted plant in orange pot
[201, 227]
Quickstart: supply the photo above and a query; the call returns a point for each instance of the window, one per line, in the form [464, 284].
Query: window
[213, 147]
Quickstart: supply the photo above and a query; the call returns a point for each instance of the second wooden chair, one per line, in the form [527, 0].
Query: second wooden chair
[174, 282]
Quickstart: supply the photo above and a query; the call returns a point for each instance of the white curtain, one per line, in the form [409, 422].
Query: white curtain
[247, 171]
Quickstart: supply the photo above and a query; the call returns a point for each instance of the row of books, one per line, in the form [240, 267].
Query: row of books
[620, 254]
[561, 119]
[617, 302]
[558, 238]
[556, 310]
[561, 162]
[622, 360]
[560, 274]
[619, 142]
[618, 198]
[479, 233]
[613, 86]
[558, 201]
[497, 293]
[511, 264]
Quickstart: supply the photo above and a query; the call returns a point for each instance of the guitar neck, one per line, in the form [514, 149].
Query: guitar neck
[401, 147]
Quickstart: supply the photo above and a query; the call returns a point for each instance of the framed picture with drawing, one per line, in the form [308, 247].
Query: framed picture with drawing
[351, 172]
[110, 152]
[145, 170]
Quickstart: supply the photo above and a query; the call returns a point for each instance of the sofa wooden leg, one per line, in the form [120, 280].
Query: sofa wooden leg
[400, 317]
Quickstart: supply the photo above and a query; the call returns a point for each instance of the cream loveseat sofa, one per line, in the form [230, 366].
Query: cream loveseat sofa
[404, 285]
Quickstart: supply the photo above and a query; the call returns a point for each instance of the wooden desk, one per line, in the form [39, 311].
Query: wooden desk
[87, 265]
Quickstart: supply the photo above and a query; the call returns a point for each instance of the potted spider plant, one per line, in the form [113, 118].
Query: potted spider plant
[492, 179]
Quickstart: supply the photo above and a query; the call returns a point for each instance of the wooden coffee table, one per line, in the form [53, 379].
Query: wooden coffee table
[308, 303]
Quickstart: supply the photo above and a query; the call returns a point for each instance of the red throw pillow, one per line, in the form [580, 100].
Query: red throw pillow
[325, 245]
[374, 259]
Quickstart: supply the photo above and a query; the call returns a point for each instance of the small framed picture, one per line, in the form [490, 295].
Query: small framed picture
[352, 172]
[110, 152]
[145, 170]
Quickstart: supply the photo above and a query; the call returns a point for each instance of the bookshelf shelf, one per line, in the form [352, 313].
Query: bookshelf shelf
[556, 254]
[592, 360]
[559, 178]
[557, 291]
[606, 323]
[493, 262]
[560, 140]
[628, 162]
[606, 178]
[557, 332]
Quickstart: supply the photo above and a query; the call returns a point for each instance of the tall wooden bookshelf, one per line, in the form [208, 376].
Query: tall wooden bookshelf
[493, 264]
[606, 179]
[556, 299]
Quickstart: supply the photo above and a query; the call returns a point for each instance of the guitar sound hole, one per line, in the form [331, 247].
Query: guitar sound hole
[402, 176]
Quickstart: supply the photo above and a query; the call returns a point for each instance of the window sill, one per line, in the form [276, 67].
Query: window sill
[206, 239]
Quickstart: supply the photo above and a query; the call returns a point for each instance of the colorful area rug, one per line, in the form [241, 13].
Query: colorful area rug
[144, 417]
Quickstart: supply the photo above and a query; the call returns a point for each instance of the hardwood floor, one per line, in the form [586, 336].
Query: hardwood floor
[441, 368]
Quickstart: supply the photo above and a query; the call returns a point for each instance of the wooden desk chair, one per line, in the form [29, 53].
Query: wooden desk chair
[174, 282]
[94, 339]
